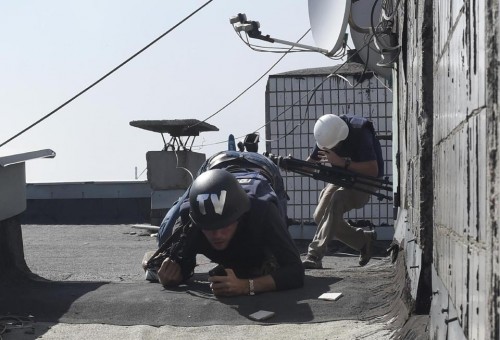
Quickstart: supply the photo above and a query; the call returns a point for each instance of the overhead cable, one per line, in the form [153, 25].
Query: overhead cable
[310, 92]
[252, 85]
[107, 74]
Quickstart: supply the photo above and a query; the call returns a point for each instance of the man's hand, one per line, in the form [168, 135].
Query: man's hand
[228, 285]
[169, 273]
[368, 168]
[329, 156]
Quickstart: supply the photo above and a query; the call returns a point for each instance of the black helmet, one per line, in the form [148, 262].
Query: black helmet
[216, 200]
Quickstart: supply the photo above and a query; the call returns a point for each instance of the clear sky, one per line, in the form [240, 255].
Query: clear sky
[53, 49]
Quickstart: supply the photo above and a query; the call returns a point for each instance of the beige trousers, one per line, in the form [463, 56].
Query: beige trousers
[334, 202]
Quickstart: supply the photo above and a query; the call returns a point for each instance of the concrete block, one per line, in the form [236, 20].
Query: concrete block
[13, 190]
[172, 169]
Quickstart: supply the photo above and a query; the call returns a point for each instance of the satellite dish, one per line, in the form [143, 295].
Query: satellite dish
[370, 54]
[328, 19]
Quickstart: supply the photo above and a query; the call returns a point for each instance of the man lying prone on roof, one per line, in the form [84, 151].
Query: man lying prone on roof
[245, 235]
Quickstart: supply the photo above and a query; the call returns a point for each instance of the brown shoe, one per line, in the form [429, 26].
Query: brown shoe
[151, 275]
[146, 258]
[366, 251]
[312, 262]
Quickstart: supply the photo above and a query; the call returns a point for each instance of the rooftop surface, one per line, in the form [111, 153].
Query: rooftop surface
[92, 287]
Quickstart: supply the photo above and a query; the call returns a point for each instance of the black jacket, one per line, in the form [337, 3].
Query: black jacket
[261, 233]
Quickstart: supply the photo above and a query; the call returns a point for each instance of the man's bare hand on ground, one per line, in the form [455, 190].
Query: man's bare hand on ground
[229, 285]
[169, 273]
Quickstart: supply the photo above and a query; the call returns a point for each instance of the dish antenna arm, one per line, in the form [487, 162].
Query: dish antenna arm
[256, 34]
[251, 28]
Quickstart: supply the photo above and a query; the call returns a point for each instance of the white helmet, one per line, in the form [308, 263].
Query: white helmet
[329, 130]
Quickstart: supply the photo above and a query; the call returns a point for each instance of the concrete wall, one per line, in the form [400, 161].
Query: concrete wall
[170, 173]
[414, 123]
[447, 117]
[173, 169]
[87, 203]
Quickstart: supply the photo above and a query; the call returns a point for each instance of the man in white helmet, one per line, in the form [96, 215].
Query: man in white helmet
[350, 143]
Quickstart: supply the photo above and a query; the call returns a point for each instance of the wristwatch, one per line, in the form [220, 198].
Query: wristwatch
[347, 162]
[251, 290]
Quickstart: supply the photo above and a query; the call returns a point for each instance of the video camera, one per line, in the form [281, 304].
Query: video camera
[335, 175]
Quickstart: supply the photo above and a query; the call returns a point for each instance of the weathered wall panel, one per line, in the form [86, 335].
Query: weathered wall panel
[492, 43]
[450, 78]
[464, 133]
[461, 248]
[415, 143]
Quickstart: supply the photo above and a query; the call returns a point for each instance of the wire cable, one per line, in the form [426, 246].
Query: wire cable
[293, 105]
[181, 167]
[272, 49]
[107, 74]
[366, 45]
[393, 11]
[311, 92]
[249, 87]
[14, 322]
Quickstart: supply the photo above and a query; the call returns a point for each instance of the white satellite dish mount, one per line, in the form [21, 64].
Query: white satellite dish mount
[370, 28]
[328, 19]
[371, 33]
[251, 28]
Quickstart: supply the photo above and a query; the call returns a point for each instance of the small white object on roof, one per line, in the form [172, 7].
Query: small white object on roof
[330, 296]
